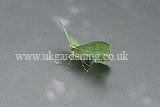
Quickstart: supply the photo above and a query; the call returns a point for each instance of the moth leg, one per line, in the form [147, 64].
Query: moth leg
[68, 64]
[61, 61]
[84, 66]
[86, 63]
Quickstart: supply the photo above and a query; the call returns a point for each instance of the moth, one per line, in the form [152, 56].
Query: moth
[96, 50]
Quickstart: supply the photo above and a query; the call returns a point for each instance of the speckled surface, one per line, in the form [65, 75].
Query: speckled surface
[31, 26]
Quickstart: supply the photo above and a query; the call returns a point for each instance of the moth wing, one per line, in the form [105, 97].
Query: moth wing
[72, 41]
[98, 49]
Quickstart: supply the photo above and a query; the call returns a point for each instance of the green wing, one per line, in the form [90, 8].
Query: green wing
[72, 41]
[97, 48]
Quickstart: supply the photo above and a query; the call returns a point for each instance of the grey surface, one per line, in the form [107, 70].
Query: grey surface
[30, 26]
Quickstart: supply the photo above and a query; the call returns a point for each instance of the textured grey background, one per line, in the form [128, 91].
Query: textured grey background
[31, 26]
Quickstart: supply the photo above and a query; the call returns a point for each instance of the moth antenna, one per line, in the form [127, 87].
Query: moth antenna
[80, 50]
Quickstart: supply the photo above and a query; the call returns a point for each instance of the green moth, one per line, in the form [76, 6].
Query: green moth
[96, 50]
